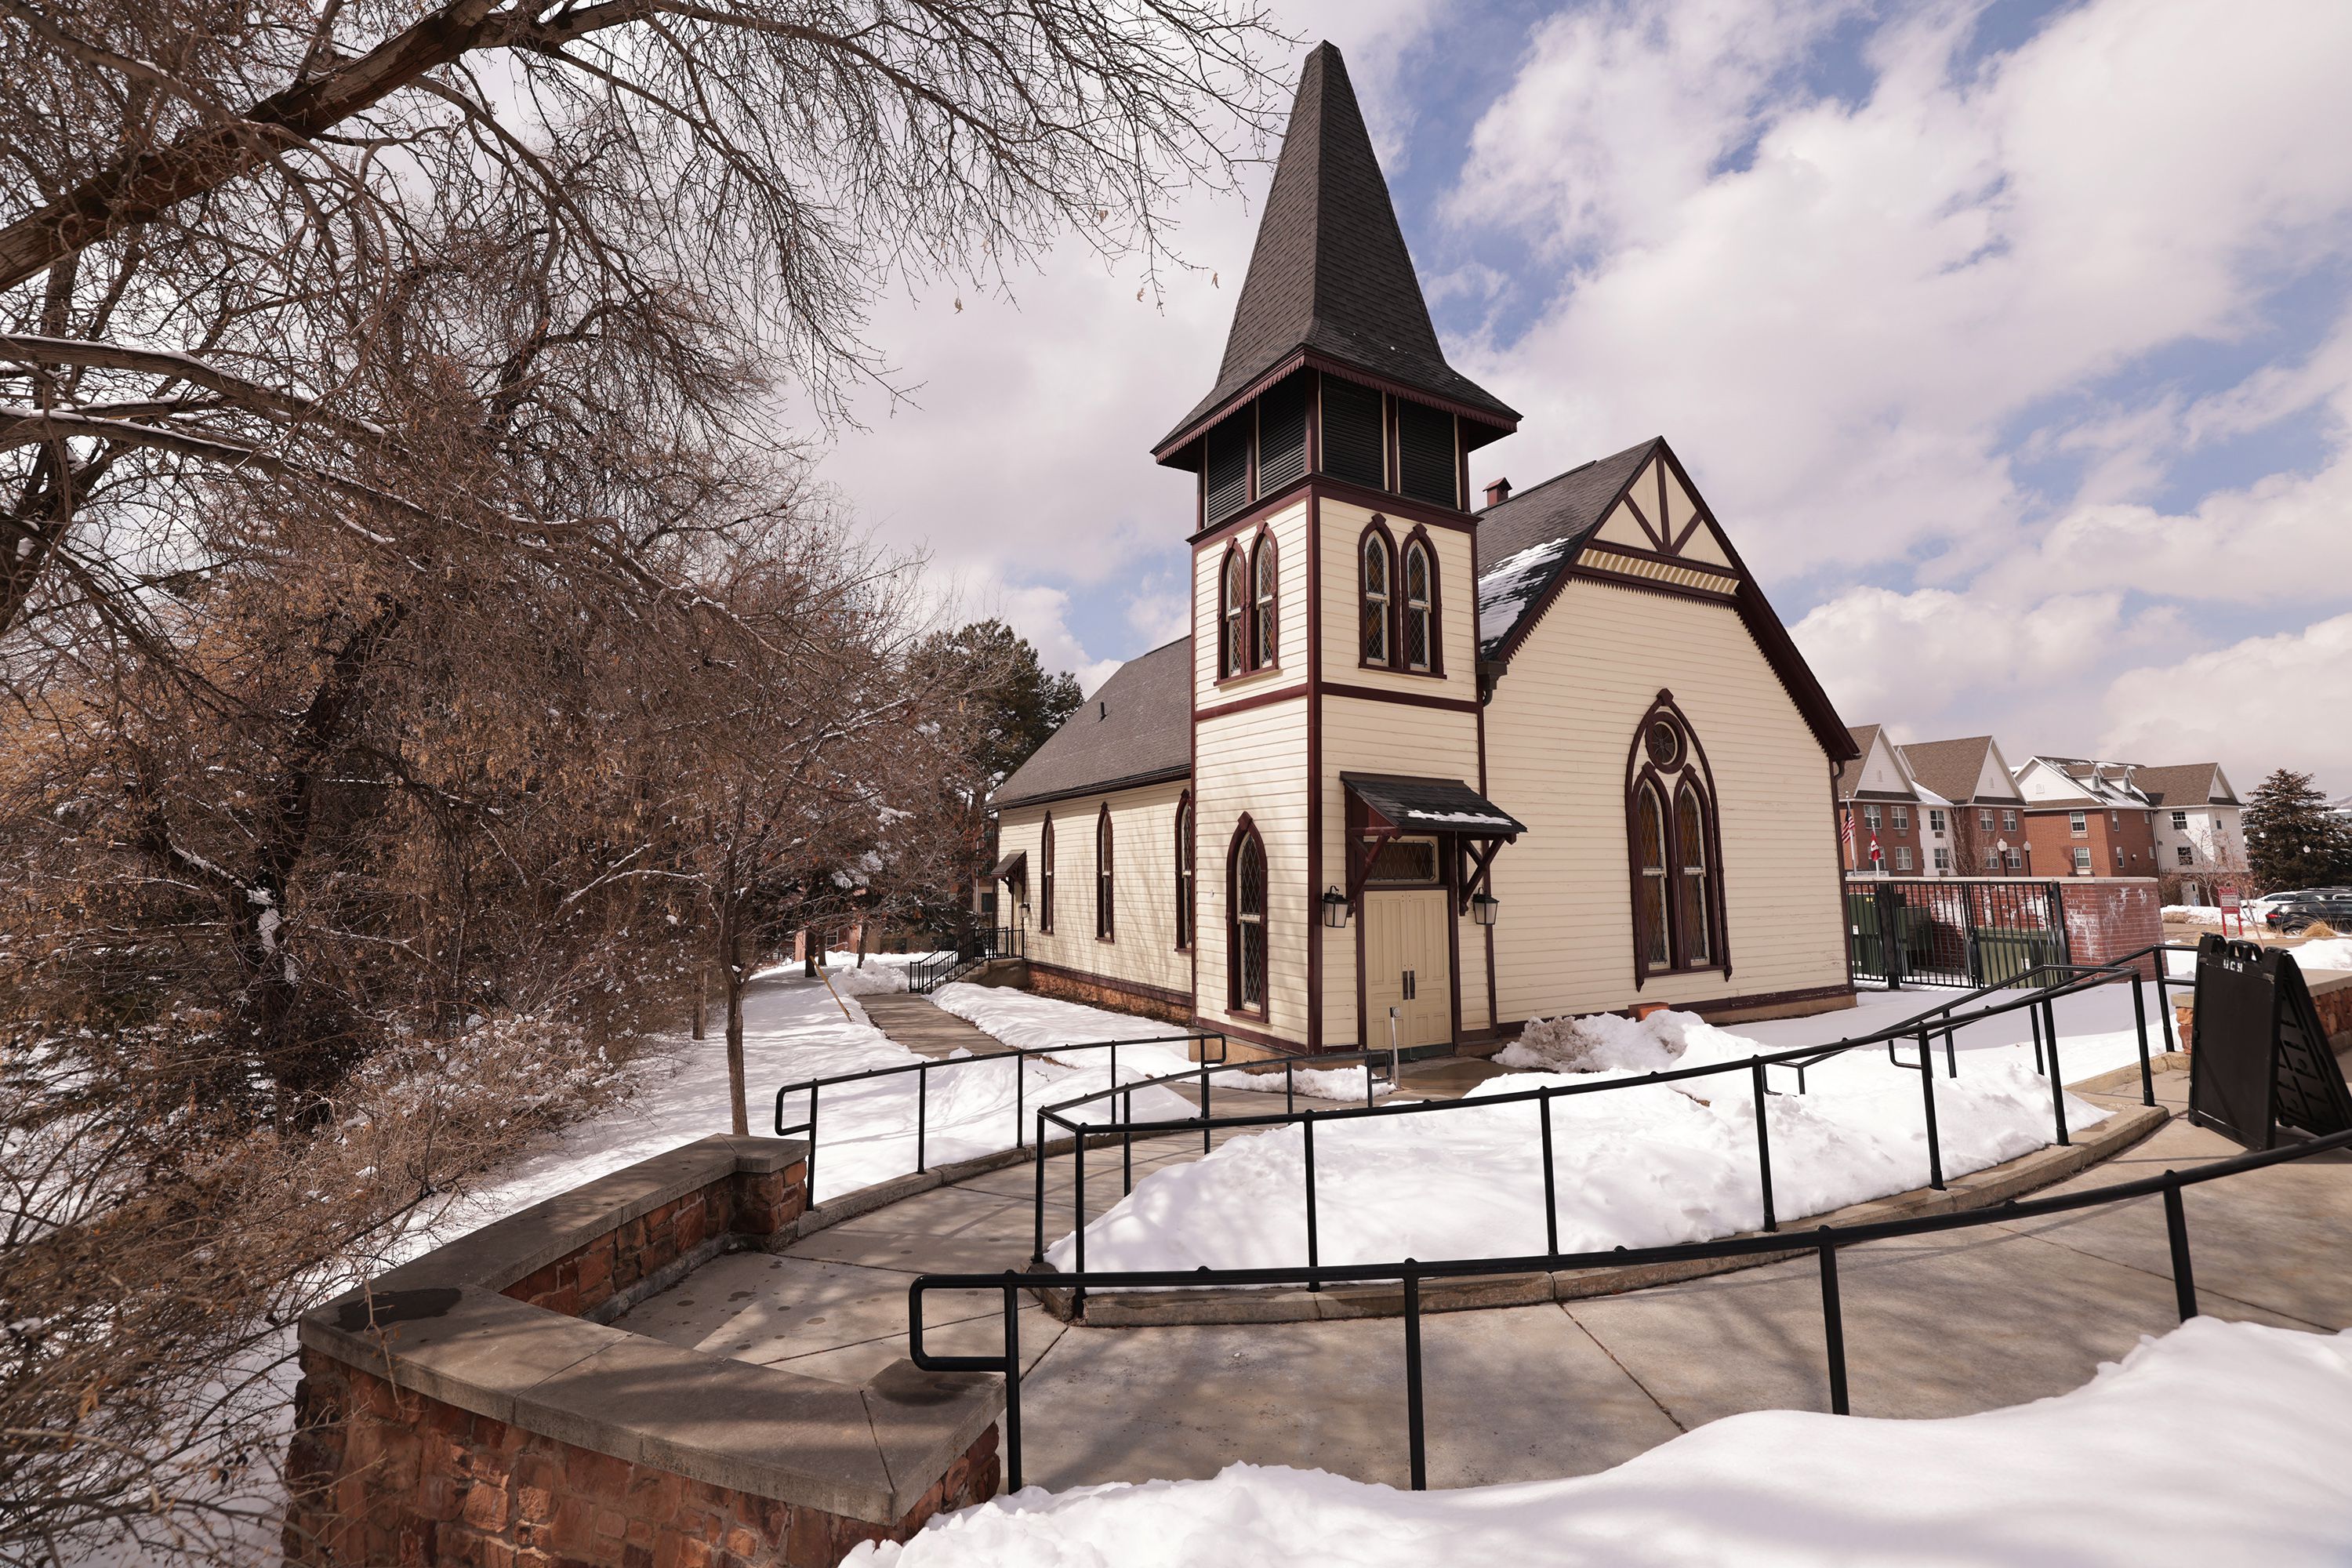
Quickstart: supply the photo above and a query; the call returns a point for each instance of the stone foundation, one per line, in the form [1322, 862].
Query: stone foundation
[474, 1407]
[1119, 995]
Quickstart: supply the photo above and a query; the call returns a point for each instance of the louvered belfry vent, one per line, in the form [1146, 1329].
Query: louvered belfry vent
[1228, 468]
[1352, 432]
[1426, 454]
[1282, 435]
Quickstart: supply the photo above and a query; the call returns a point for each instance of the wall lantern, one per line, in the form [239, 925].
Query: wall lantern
[1482, 907]
[1335, 909]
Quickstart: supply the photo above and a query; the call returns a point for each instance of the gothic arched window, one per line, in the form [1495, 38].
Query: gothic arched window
[1246, 978]
[1046, 875]
[1675, 848]
[1106, 928]
[1419, 606]
[1263, 643]
[1184, 871]
[1377, 574]
[1233, 630]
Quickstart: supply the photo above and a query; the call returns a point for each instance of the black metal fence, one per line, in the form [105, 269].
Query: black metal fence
[1917, 1032]
[971, 950]
[1920, 1031]
[1946, 930]
[815, 1088]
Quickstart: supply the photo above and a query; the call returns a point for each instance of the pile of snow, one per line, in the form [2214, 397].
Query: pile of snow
[1604, 1042]
[1637, 1165]
[2194, 914]
[2218, 1443]
[2328, 953]
[1031, 1022]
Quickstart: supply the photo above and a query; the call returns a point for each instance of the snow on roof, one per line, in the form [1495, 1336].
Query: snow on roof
[1508, 588]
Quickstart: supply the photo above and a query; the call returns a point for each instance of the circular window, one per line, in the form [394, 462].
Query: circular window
[1665, 746]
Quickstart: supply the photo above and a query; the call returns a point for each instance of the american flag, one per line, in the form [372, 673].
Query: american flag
[1845, 826]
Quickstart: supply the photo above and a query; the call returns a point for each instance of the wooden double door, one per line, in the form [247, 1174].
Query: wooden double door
[1409, 965]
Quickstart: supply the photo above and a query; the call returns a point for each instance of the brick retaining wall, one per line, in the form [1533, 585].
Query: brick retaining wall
[474, 1407]
[2108, 917]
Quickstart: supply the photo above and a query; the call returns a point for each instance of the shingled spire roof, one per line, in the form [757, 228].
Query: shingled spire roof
[1330, 274]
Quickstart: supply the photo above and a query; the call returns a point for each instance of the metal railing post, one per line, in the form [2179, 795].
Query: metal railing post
[2163, 1003]
[1314, 1246]
[1204, 1107]
[1551, 1190]
[1078, 1203]
[1414, 1436]
[1011, 1382]
[2139, 1024]
[1037, 1251]
[2057, 1080]
[1951, 1055]
[812, 1152]
[1020, 1122]
[1763, 1147]
[1126, 1148]
[922, 1112]
[1928, 1100]
[2175, 1231]
[1289, 1088]
[2033, 1018]
[1832, 1325]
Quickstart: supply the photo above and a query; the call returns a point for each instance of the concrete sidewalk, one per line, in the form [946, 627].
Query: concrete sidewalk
[1938, 1326]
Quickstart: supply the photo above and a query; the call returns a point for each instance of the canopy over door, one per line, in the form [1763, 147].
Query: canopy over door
[1381, 806]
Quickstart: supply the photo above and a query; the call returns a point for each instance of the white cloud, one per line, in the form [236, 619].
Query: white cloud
[2284, 700]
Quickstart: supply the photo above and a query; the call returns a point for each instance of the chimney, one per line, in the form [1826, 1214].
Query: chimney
[1498, 492]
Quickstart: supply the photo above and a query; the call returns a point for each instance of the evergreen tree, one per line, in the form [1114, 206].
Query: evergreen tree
[2293, 840]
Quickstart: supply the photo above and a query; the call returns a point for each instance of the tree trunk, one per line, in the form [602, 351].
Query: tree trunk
[735, 978]
[702, 998]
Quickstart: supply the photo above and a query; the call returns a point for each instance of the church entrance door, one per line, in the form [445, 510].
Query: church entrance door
[1408, 966]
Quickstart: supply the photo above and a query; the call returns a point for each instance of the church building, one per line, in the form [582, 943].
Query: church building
[1421, 771]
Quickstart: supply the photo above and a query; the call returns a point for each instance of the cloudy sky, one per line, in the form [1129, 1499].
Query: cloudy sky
[2010, 340]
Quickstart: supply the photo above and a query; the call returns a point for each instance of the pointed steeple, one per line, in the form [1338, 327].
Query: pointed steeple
[1330, 274]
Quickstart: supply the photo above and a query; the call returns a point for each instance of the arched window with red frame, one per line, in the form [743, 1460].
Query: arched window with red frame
[1046, 876]
[1233, 614]
[1379, 577]
[1106, 919]
[1245, 912]
[1184, 889]
[1266, 580]
[1674, 848]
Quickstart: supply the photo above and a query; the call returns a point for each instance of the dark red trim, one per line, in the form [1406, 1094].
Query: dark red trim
[1454, 943]
[1408, 699]
[1188, 892]
[1378, 525]
[1612, 547]
[1108, 786]
[1419, 535]
[1314, 771]
[1487, 932]
[1291, 692]
[1241, 1032]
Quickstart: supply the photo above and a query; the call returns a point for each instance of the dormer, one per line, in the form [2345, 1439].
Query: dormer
[1332, 369]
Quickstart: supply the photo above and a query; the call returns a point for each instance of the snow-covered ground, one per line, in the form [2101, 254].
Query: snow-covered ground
[1640, 1166]
[1039, 1023]
[2218, 1443]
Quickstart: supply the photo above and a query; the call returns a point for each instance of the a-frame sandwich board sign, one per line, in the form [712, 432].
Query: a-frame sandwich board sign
[2261, 1064]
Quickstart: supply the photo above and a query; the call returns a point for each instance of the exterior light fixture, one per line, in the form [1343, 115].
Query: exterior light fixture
[1335, 909]
[1482, 907]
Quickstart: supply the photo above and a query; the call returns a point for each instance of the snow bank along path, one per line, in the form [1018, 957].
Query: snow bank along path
[2218, 1443]
[1642, 1165]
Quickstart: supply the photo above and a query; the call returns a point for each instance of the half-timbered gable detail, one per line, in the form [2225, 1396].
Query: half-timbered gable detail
[1426, 772]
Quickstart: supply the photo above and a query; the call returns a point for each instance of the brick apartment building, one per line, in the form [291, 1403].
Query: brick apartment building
[1882, 808]
[1982, 815]
[2089, 818]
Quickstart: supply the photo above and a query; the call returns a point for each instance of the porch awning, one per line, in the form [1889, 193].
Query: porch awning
[1393, 803]
[1014, 868]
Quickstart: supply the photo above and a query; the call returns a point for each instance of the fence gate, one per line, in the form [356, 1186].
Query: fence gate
[1954, 930]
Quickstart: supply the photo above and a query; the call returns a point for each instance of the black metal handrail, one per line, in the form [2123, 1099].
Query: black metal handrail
[1918, 1031]
[1824, 1240]
[937, 968]
[1020, 1055]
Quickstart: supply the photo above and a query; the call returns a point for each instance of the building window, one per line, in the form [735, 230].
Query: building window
[1420, 604]
[1984, 821]
[1264, 646]
[1870, 817]
[1245, 984]
[1184, 871]
[2186, 856]
[1677, 848]
[2075, 823]
[2082, 859]
[2181, 821]
[2009, 821]
[1046, 876]
[1376, 596]
[1404, 863]
[1992, 860]
[2119, 855]
[1232, 630]
[1105, 926]
[1903, 857]
[1902, 816]
[1943, 860]
[2017, 859]
[1936, 822]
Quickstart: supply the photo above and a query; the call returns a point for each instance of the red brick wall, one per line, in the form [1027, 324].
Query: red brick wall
[2053, 840]
[2105, 919]
[396, 1480]
[1889, 837]
[577, 1284]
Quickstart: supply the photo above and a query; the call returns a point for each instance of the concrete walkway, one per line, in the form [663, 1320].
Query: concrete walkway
[924, 1027]
[1939, 1326]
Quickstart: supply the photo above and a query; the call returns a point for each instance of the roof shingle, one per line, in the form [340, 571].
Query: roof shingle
[1137, 729]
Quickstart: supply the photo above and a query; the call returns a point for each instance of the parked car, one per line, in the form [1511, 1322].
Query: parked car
[2292, 912]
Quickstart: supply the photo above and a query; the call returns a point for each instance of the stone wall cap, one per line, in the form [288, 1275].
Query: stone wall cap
[923, 1421]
